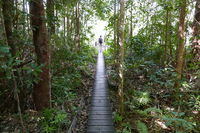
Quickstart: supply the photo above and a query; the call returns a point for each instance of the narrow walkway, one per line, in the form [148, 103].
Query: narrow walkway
[100, 114]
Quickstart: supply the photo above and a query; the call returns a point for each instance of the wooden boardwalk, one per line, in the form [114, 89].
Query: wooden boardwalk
[100, 114]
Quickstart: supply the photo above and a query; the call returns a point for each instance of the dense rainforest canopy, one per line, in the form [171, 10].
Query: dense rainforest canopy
[48, 62]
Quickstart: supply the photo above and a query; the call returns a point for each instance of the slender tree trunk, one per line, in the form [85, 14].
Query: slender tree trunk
[73, 29]
[3, 36]
[131, 24]
[24, 17]
[50, 16]
[77, 36]
[18, 102]
[72, 21]
[27, 18]
[64, 35]
[117, 29]
[7, 7]
[166, 36]
[181, 42]
[17, 14]
[56, 15]
[115, 24]
[68, 29]
[121, 55]
[41, 92]
[196, 32]
[170, 32]
[116, 32]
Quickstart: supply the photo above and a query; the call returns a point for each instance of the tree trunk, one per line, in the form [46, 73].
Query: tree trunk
[181, 42]
[121, 55]
[131, 24]
[68, 29]
[166, 37]
[64, 34]
[7, 7]
[196, 32]
[27, 18]
[115, 24]
[3, 36]
[170, 36]
[3, 82]
[50, 16]
[42, 91]
[77, 36]
[116, 34]
[16, 15]
[117, 29]
[24, 17]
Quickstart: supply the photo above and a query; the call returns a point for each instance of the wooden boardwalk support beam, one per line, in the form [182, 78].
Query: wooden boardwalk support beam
[100, 113]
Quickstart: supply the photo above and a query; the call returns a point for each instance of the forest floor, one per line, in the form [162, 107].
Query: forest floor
[82, 116]
[150, 106]
[77, 121]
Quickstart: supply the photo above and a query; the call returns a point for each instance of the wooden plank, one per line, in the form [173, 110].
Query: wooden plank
[103, 122]
[100, 116]
[100, 113]
[95, 129]
[100, 108]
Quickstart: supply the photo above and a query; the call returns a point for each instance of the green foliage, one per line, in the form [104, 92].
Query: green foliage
[156, 110]
[178, 124]
[102, 8]
[117, 117]
[53, 120]
[61, 89]
[69, 68]
[194, 102]
[126, 128]
[137, 46]
[164, 77]
[30, 71]
[138, 99]
[141, 127]
[4, 50]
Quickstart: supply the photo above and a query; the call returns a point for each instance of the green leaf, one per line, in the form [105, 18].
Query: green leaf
[141, 127]
[4, 49]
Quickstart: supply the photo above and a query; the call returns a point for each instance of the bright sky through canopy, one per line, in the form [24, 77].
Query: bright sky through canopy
[99, 29]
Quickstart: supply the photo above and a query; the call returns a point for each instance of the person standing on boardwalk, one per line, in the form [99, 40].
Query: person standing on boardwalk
[100, 43]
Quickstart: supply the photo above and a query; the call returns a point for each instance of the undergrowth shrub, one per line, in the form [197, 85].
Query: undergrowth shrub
[53, 120]
[69, 68]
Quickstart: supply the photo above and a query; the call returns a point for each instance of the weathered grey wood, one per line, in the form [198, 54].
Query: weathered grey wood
[92, 129]
[99, 108]
[100, 117]
[103, 122]
[100, 113]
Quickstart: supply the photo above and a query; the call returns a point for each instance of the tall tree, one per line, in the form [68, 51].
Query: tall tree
[50, 16]
[77, 36]
[121, 54]
[7, 7]
[115, 23]
[42, 91]
[181, 41]
[196, 32]
[131, 22]
[166, 35]
[2, 27]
